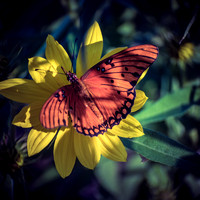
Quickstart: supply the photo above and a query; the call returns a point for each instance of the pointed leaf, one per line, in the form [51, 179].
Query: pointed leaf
[160, 148]
[173, 104]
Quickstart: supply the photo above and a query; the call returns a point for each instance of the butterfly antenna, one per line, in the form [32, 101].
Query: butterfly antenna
[65, 72]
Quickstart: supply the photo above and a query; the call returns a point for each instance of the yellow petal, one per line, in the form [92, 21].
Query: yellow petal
[44, 74]
[58, 57]
[143, 75]
[140, 100]
[22, 119]
[22, 90]
[93, 34]
[87, 150]
[64, 153]
[112, 147]
[28, 116]
[127, 128]
[90, 51]
[38, 139]
[35, 109]
[114, 51]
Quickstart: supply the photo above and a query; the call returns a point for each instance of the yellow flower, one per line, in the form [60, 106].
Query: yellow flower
[186, 52]
[47, 77]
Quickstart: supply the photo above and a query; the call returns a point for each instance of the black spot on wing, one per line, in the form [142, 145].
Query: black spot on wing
[133, 83]
[108, 61]
[135, 74]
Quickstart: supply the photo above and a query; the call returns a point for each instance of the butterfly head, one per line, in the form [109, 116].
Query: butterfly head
[71, 77]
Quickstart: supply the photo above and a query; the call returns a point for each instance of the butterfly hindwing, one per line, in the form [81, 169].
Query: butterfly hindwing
[68, 102]
[113, 105]
[55, 111]
[86, 117]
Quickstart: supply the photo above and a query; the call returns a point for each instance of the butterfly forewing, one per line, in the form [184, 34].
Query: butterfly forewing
[127, 65]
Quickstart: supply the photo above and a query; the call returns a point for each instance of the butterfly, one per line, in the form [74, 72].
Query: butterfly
[103, 96]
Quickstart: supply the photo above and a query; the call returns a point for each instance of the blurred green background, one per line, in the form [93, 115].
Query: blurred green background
[172, 25]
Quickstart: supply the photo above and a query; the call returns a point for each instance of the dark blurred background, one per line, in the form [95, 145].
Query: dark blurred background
[172, 25]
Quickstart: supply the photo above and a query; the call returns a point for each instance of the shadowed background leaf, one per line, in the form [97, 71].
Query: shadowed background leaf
[172, 104]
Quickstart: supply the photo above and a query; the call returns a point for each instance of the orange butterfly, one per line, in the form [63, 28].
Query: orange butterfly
[103, 96]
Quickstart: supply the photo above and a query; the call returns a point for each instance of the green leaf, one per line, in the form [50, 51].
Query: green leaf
[172, 104]
[160, 148]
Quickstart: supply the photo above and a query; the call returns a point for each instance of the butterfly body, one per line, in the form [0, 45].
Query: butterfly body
[79, 88]
[103, 96]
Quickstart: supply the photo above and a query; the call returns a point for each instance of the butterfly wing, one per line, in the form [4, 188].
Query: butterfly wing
[86, 117]
[55, 111]
[111, 83]
[70, 101]
[125, 66]
[105, 109]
